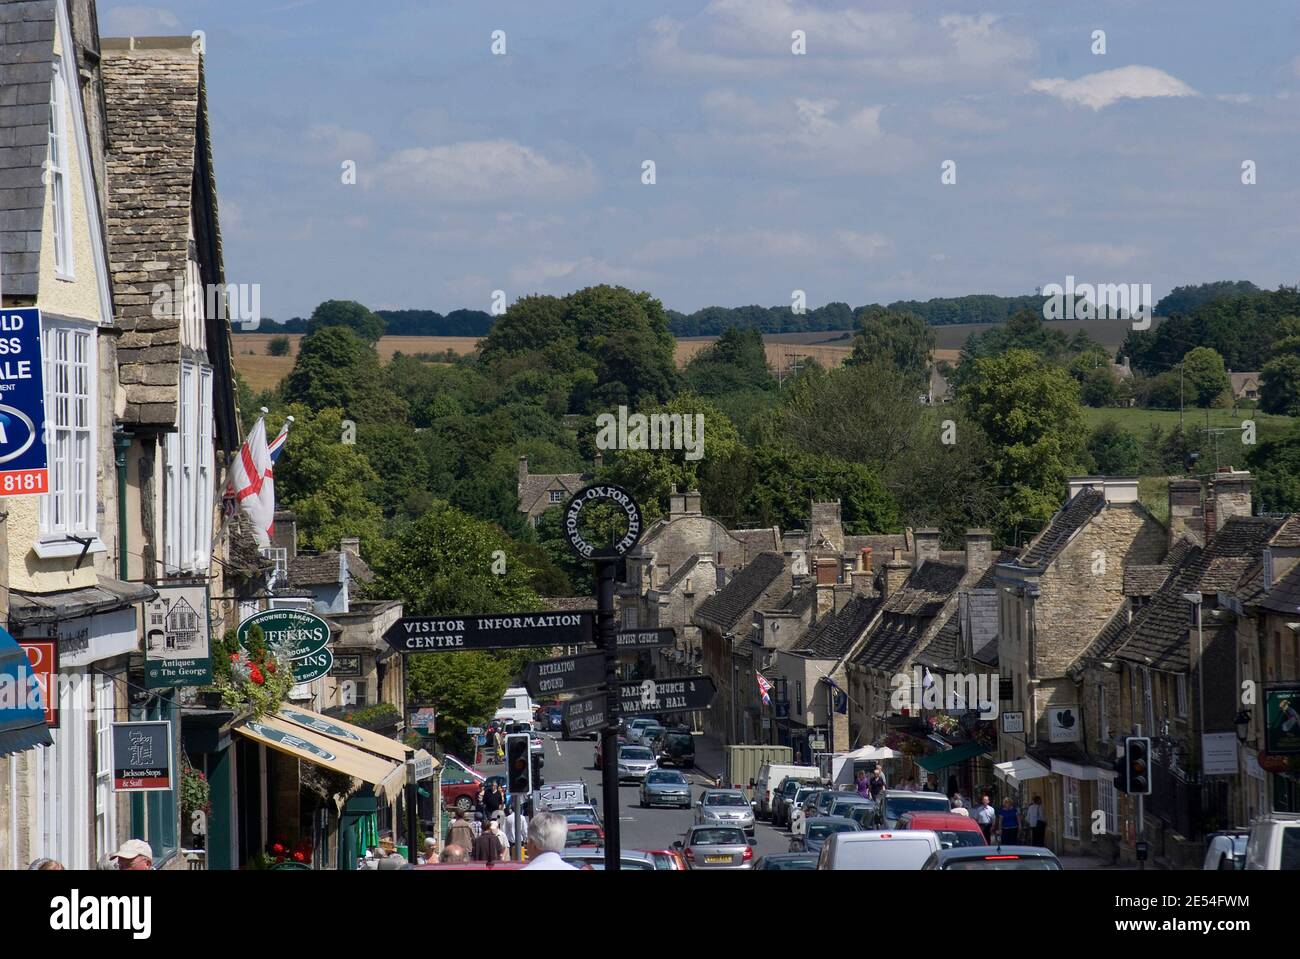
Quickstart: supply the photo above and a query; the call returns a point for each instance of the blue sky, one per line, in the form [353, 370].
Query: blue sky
[775, 172]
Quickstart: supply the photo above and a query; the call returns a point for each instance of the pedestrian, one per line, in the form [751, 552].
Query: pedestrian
[454, 853]
[493, 798]
[984, 815]
[1037, 821]
[877, 782]
[514, 837]
[489, 847]
[1009, 823]
[547, 834]
[134, 854]
[430, 851]
[499, 742]
[459, 832]
[864, 784]
[959, 807]
[932, 785]
[45, 865]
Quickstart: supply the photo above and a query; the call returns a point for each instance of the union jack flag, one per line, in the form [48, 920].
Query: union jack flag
[764, 687]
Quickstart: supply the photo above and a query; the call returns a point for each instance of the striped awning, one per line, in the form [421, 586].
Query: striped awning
[22, 701]
[386, 776]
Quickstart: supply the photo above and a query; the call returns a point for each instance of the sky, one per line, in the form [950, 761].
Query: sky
[774, 170]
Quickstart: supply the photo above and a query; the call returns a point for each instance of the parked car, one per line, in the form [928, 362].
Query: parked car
[725, 806]
[584, 834]
[845, 804]
[634, 762]
[825, 800]
[820, 828]
[878, 849]
[665, 787]
[552, 718]
[895, 802]
[667, 859]
[785, 811]
[677, 749]
[578, 815]
[461, 783]
[1227, 850]
[993, 857]
[651, 736]
[716, 847]
[1274, 844]
[600, 749]
[953, 830]
[629, 859]
[771, 776]
[635, 726]
[788, 861]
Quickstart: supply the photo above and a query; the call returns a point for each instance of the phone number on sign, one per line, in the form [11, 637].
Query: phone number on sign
[24, 481]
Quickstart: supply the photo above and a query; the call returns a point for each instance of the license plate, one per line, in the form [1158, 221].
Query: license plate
[717, 859]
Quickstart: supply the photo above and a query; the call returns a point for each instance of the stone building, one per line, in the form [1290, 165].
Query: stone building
[538, 492]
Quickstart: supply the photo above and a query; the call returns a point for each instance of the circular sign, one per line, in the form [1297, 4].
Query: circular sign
[292, 632]
[602, 493]
[7, 416]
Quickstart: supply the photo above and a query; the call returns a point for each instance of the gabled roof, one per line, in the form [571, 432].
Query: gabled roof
[1288, 536]
[1284, 596]
[1144, 580]
[537, 485]
[1067, 521]
[725, 608]
[26, 55]
[1157, 634]
[832, 636]
[679, 574]
[323, 569]
[908, 613]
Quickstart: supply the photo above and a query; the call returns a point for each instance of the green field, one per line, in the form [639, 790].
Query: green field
[1139, 421]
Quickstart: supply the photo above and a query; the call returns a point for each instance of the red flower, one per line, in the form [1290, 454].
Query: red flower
[279, 859]
[298, 857]
[234, 657]
[255, 675]
[277, 848]
[270, 668]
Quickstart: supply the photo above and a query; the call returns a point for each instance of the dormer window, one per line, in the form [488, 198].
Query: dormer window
[557, 496]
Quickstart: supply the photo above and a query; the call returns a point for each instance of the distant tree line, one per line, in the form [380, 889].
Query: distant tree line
[399, 323]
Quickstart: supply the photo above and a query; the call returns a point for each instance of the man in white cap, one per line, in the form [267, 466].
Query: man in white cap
[134, 854]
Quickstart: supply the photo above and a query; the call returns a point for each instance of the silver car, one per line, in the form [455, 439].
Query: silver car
[716, 847]
[725, 807]
[665, 787]
[634, 762]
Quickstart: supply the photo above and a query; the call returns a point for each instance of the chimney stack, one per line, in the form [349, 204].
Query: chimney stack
[1228, 496]
[1184, 507]
[523, 472]
[927, 546]
[896, 572]
[693, 502]
[864, 560]
[676, 503]
[979, 550]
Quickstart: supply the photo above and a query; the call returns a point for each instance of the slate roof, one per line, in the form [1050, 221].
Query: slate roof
[536, 485]
[679, 574]
[159, 176]
[1284, 597]
[765, 539]
[942, 650]
[1144, 580]
[1068, 520]
[1288, 537]
[908, 613]
[1158, 632]
[566, 604]
[833, 636]
[725, 608]
[322, 569]
[26, 53]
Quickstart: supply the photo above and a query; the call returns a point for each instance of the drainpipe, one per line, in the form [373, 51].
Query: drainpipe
[121, 443]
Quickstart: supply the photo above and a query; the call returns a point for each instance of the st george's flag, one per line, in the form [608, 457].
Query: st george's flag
[252, 479]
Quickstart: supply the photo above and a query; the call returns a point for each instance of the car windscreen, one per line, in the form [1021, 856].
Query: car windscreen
[679, 742]
[896, 853]
[652, 732]
[820, 830]
[1041, 864]
[583, 837]
[507, 703]
[791, 864]
[843, 808]
[579, 815]
[896, 805]
[725, 799]
[957, 838]
[717, 837]
[663, 776]
[635, 752]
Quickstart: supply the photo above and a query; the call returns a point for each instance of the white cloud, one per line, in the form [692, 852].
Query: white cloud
[339, 143]
[1099, 90]
[770, 245]
[863, 246]
[135, 21]
[545, 274]
[482, 170]
[963, 115]
[1097, 254]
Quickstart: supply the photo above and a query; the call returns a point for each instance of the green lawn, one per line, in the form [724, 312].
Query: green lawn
[1139, 421]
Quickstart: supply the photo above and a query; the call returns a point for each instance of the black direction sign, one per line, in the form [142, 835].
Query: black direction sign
[550, 676]
[455, 633]
[583, 716]
[645, 638]
[666, 695]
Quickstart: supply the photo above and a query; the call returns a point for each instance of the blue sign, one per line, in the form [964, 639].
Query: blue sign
[23, 465]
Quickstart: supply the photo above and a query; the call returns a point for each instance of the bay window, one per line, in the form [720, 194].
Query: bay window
[71, 369]
[188, 474]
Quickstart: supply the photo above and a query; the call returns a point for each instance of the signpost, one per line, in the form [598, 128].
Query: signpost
[302, 637]
[666, 695]
[548, 677]
[582, 716]
[450, 634]
[645, 638]
[23, 463]
[142, 756]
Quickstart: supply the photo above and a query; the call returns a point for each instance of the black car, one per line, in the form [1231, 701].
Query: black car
[677, 749]
[790, 861]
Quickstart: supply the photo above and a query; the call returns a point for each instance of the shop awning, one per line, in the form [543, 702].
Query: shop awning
[1020, 770]
[22, 702]
[347, 733]
[1084, 771]
[936, 761]
[386, 776]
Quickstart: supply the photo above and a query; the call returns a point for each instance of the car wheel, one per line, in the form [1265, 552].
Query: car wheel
[464, 804]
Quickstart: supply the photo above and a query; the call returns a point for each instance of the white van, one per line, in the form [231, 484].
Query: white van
[1274, 843]
[770, 776]
[516, 706]
[895, 849]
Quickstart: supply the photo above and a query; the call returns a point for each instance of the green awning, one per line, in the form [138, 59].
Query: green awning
[936, 761]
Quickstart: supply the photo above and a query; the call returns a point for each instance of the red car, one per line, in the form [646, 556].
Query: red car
[667, 859]
[461, 783]
[622, 740]
[954, 831]
[584, 834]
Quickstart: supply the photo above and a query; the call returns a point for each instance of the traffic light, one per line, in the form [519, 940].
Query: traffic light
[538, 782]
[1137, 765]
[518, 768]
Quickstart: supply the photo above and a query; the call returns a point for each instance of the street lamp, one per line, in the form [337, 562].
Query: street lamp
[1242, 722]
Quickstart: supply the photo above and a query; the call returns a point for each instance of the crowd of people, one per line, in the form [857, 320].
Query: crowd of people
[134, 854]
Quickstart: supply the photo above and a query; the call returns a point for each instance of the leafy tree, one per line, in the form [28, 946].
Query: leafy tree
[1279, 390]
[555, 545]
[1276, 465]
[347, 313]
[736, 363]
[465, 687]
[1114, 450]
[948, 485]
[1205, 376]
[1030, 413]
[398, 461]
[898, 338]
[1091, 370]
[1185, 299]
[278, 346]
[335, 368]
[786, 482]
[326, 482]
